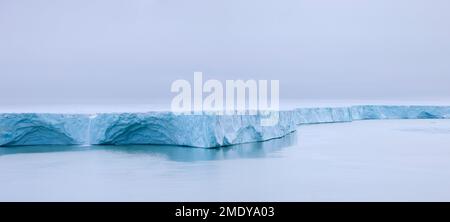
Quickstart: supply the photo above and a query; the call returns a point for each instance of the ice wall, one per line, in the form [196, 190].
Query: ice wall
[399, 112]
[186, 130]
[36, 129]
[322, 115]
[206, 130]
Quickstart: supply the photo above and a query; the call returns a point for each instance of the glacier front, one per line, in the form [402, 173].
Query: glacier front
[207, 130]
[186, 130]
[43, 128]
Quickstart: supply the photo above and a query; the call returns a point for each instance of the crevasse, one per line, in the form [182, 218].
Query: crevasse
[187, 130]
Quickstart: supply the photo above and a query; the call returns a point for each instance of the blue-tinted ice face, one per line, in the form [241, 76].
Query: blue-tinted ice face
[167, 128]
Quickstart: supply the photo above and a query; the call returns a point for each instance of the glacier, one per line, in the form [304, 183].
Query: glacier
[40, 128]
[167, 128]
[206, 130]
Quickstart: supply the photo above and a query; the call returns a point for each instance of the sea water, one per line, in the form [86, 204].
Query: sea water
[379, 160]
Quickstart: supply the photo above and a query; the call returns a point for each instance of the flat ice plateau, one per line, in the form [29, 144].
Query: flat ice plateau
[166, 128]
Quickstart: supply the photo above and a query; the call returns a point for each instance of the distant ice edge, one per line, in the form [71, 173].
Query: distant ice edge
[187, 130]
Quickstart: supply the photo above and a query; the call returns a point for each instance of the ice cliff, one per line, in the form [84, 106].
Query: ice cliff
[206, 130]
[186, 130]
[399, 112]
[41, 128]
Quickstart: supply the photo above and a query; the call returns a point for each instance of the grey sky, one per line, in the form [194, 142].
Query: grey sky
[88, 51]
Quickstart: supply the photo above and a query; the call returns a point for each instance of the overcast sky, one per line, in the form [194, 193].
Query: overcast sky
[85, 51]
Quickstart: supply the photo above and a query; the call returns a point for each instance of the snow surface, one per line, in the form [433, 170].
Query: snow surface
[166, 128]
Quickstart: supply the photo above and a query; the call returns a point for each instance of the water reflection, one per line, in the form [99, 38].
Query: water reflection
[41, 149]
[173, 153]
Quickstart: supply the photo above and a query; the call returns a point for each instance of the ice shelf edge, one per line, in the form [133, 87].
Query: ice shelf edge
[204, 131]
